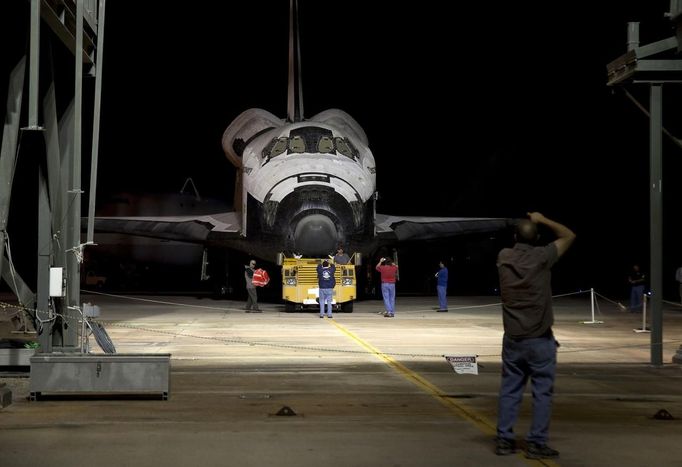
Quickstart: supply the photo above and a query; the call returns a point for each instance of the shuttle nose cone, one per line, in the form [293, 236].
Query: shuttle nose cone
[315, 235]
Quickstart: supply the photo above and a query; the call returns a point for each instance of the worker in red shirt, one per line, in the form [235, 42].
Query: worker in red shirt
[388, 272]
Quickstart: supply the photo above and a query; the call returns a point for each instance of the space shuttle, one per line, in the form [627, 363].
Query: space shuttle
[304, 186]
[308, 184]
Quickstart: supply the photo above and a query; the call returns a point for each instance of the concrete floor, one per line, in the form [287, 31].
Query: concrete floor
[366, 390]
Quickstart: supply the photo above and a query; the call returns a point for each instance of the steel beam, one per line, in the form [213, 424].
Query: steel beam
[8, 150]
[656, 221]
[95, 129]
[34, 66]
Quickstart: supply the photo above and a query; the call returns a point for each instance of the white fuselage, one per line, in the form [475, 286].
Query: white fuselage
[307, 185]
[272, 179]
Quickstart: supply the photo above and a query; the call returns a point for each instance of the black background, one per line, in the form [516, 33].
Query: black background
[486, 109]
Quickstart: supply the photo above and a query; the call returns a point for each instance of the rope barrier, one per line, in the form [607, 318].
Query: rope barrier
[231, 341]
[160, 302]
[618, 304]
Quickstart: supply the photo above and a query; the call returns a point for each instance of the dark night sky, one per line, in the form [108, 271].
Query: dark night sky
[511, 97]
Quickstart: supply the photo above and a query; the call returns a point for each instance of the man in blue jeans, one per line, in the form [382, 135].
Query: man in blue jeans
[326, 283]
[528, 345]
[637, 281]
[389, 275]
[442, 287]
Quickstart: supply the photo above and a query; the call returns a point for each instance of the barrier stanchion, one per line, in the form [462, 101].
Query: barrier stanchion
[644, 328]
[592, 302]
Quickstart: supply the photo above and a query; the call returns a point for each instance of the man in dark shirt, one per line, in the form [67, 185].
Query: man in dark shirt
[252, 299]
[528, 345]
[341, 257]
[326, 283]
[637, 285]
[442, 286]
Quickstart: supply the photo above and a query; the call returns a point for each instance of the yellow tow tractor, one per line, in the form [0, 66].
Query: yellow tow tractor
[300, 287]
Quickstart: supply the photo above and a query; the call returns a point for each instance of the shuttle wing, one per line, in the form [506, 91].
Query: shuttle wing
[408, 228]
[205, 229]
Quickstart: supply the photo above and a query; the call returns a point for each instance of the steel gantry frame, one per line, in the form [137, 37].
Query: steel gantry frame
[79, 24]
[655, 65]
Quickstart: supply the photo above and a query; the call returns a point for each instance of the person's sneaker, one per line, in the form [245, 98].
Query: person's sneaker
[443, 310]
[540, 451]
[330, 317]
[321, 316]
[505, 447]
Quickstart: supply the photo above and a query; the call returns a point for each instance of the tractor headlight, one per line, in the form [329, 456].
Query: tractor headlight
[291, 281]
[347, 281]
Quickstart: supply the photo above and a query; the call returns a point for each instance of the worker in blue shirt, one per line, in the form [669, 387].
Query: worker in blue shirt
[326, 283]
[442, 287]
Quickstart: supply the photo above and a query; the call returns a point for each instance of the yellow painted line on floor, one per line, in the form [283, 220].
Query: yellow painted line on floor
[481, 422]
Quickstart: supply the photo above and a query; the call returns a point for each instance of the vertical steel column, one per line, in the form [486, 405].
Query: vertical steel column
[96, 117]
[34, 61]
[43, 312]
[656, 220]
[44, 223]
[74, 205]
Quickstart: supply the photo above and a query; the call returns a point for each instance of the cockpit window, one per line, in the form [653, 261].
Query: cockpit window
[279, 147]
[296, 144]
[310, 139]
[342, 147]
[353, 150]
[311, 135]
[326, 145]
